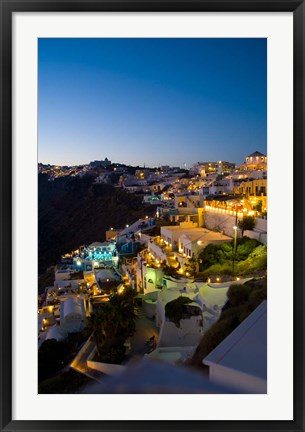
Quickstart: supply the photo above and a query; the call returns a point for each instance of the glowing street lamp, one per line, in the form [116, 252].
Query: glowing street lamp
[234, 247]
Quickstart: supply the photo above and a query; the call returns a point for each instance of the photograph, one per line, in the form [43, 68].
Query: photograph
[152, 215]
[152, 171]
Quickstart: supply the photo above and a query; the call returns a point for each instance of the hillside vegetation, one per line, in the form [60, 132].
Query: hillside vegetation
[250, 257]
[73, 211]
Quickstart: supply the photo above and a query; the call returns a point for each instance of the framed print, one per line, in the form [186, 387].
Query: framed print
[152, 214]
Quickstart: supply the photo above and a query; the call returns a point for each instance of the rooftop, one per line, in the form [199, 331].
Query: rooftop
[245, 349]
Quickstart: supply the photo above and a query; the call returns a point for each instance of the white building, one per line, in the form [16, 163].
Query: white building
[210, 297]
[240, 360]
[73, 314]
[196, 240]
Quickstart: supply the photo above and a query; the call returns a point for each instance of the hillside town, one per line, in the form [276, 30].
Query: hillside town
[151, 294]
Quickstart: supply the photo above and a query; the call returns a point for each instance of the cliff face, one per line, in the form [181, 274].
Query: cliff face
[73, 211]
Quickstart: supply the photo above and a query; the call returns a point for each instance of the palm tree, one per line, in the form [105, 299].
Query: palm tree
[112, 324]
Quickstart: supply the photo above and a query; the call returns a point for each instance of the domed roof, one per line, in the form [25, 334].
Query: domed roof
[256, 153]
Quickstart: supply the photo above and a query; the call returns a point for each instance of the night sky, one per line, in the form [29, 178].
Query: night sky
[151, 101]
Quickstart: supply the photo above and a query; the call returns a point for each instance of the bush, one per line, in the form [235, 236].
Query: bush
[218, 269]
[251, 255]
[238, 294]
[245, 246]
[257, 260]
[222, 253]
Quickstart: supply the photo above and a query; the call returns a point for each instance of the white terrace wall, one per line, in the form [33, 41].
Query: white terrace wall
[261, 224]
[225, 223]
[189, 333]
[221, 221]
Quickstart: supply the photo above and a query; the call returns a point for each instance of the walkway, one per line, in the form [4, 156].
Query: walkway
[145, 329]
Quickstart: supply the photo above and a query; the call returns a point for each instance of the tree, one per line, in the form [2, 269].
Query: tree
[112, 324]
[178, 309]
[247, 223]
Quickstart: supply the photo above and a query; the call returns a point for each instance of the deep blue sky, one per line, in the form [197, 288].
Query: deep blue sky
[152, 101]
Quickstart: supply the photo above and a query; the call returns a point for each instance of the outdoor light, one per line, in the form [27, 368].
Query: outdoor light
[218, 279]
[127, 226]
[79, 263]
[235, 227]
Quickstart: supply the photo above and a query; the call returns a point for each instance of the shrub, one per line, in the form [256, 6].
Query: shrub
[257, 260]
[222, 253]
[238, 294]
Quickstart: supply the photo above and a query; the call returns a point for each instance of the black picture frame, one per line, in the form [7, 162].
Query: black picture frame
[7, 9]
